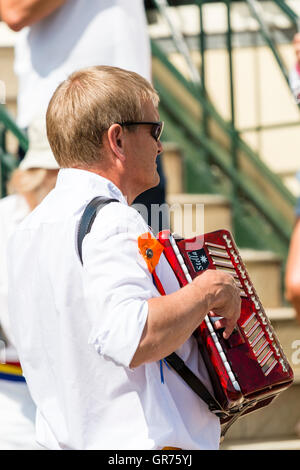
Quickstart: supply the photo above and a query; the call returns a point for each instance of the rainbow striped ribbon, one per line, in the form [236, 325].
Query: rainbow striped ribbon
[11, 371]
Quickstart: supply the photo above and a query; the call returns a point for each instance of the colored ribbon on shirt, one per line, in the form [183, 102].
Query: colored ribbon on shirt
[151, 250]
[11, 371]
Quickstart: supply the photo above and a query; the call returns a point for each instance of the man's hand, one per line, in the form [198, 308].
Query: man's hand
[173, 318]
[20, 13]
[223, 298]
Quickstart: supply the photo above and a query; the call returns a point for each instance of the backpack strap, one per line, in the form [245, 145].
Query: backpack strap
[88, 217]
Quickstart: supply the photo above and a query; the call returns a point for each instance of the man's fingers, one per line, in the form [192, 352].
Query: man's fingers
[228, 330]
[228, 326]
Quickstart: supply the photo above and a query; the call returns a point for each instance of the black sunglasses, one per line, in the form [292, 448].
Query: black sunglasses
[156, 129]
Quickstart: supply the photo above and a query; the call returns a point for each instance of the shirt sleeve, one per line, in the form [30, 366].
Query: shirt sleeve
[117, 282]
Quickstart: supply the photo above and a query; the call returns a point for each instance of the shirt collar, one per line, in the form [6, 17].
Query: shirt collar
[87, 180]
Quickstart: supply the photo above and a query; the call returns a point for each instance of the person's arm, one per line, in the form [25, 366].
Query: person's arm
[292, 276]
[131, 323]
[172, 319]
[20, 13]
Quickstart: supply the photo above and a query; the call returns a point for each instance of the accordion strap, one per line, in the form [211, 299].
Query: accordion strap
[85, 225]
[88, 218]
[196, 385]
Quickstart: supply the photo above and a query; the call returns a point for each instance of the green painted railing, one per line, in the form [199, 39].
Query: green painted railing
[278, 218]
[263, 207]
[9, 161]
[259, 198]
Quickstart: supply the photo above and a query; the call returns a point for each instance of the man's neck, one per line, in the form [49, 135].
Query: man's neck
[116, 179]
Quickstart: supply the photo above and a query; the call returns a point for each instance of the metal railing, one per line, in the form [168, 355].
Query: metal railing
[255, 191]
[8, 160]
[257, 194]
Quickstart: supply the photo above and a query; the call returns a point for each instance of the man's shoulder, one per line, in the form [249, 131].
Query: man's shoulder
[118, 216]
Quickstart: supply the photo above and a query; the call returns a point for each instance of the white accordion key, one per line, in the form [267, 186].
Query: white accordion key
[228, 241]
[236, 385]
[181, 261]
[184, 269]
[209, 325]
[223, 357]
[249, 287]
[214, 336]
[176, 250]
[235, 256]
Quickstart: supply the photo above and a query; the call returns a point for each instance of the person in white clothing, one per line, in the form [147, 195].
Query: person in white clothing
[35, 177]
[92, 335]
[56, 38]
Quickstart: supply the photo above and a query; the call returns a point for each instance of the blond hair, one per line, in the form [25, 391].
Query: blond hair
[85, 105]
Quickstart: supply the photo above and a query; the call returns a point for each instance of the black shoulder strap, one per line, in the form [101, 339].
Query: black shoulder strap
[88, 218]
[85, 225]
[195, 384]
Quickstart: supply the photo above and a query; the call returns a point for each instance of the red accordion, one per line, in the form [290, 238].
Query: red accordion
[249, 369]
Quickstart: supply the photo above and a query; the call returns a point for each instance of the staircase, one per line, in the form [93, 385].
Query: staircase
[201, 172]
[195, 178]
[275, 426]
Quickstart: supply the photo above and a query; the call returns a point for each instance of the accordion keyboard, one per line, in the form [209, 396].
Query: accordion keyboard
[207, 320]
[249, 366]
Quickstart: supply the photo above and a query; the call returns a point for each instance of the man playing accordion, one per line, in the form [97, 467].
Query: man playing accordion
[100, 329]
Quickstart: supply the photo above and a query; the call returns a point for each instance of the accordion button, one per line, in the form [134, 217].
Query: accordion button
[223, 357]
[236, 386]
[231, 376]
[214, 337]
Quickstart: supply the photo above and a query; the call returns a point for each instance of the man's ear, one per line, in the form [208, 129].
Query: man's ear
[115, 136]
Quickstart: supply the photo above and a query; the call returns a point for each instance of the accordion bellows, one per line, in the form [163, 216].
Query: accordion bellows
[249, 369]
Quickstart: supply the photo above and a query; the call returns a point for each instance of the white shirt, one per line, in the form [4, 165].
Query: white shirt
[77, 329]
[78, 34]
[13, 209]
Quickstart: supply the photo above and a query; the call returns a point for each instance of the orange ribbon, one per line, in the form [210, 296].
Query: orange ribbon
[150, 249]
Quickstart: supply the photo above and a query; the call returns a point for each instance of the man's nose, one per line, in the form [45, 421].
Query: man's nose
[159, 147]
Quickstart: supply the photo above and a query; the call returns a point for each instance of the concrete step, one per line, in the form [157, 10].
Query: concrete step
[193, 214]
[280, 418]
[287, 328]
[172, 162]
[273, 444]
[7, 75]
[264, 268]
[277, 425]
